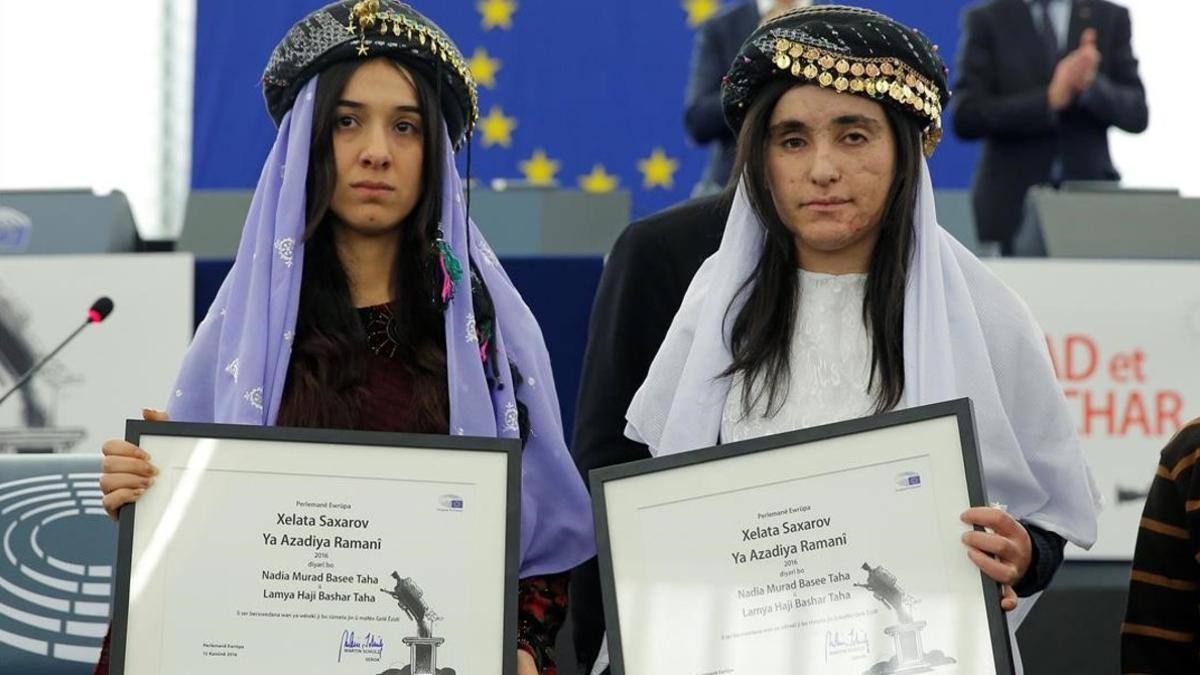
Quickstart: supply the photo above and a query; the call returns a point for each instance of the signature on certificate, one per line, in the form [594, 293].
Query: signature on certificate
[349, 643]
[851, 641]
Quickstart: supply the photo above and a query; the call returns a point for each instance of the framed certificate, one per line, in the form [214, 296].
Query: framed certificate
[833, 550]
[272, 550]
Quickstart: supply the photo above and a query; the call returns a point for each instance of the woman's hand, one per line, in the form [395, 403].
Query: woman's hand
[525, 664]
[1003, 551]
[126, 471]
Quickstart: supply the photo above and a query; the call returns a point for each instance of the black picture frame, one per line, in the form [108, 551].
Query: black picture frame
[136, 429]
[960, 409]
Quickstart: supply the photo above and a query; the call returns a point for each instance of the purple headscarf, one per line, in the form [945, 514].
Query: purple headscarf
[236, 368]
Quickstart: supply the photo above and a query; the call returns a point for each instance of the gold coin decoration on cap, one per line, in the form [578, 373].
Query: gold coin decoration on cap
[878, 78]
[365, 14]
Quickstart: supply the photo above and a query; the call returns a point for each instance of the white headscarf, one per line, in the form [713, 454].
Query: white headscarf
[965, 334]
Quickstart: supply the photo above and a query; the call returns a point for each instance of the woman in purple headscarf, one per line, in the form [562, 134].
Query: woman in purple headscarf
[362, 296]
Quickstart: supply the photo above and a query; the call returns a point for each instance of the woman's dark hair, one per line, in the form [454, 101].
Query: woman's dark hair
[327, 373]
[761, 334]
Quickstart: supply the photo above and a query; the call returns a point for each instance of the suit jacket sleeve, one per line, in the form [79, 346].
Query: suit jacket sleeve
[703, 116]
[631, 314]
[978, 111]
[1117, 97]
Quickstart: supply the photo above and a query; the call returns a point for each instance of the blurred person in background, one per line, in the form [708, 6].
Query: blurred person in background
[717, 42]
[1041, 82]
[1161, 632]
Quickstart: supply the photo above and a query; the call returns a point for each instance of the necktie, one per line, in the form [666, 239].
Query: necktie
[1047, 32]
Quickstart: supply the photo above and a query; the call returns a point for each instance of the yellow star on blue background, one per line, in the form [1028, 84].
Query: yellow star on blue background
[699, 11]
[658, 170]
[497, 128]
[540, 169]
[497, 13]
[598, 181]
[484, 67]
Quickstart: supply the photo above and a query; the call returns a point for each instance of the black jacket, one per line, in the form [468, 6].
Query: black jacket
[1000, 96]
[717, 43]
[648, 271]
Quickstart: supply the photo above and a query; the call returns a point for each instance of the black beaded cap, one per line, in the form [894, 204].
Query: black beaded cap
[847, 49]
[364, 29]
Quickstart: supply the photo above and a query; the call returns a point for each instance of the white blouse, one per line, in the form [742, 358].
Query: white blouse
[830, 364]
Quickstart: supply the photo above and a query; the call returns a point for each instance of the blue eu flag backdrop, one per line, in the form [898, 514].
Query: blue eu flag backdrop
[583, 95]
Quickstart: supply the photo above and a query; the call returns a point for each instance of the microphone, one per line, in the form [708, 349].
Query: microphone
[98, 312]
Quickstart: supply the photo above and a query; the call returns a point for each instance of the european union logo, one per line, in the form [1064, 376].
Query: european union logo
[908, 480]
[15, 229]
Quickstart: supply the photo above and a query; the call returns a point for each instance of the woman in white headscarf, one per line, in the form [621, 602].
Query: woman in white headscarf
[836, 295]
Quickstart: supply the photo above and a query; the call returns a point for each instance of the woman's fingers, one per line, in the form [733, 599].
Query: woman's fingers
[998, 570]
[138, 467]
[152, 415]
[110, 482]
[117, 498]
[1008, 598]
[992, 518]
[118, 448]
[999, 546]
[125, 471]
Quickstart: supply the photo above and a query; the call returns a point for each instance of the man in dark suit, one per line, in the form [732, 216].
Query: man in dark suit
[648, 271]
[717, 42]
[1041, 82]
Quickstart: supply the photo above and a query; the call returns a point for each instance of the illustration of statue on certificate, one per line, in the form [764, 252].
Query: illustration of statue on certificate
[910, 656]
[422, 648]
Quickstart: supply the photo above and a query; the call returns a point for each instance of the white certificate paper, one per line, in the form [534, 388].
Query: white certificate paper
[266, 556]
[837, 556]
